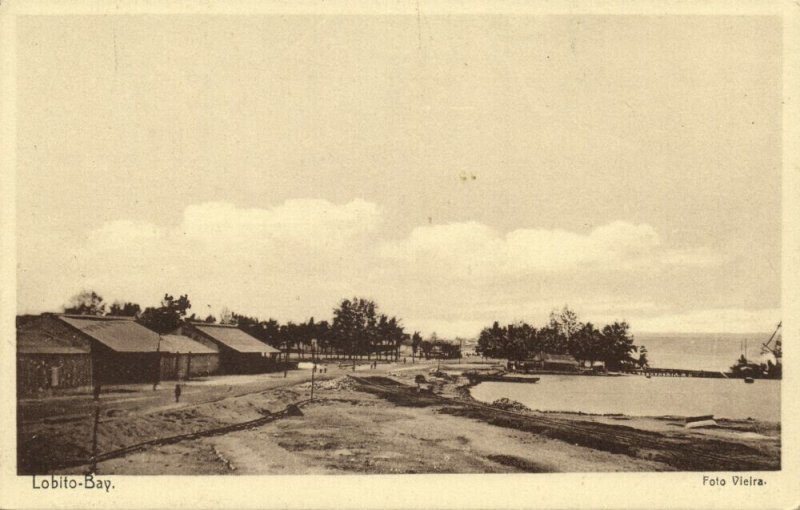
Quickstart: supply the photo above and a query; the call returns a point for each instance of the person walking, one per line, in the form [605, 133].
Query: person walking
[178, 392]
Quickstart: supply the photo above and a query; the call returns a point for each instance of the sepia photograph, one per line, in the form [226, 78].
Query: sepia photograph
[396, 243]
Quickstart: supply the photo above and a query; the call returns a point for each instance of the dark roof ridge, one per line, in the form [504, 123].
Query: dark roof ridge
[92, 317]
[212, 324]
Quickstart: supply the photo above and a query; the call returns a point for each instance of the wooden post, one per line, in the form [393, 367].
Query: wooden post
[94, 437]
[157, 380]
[313, 366]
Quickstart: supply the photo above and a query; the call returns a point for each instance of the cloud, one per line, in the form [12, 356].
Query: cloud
[254, 260]
[474, 250]
[299, 258]
[306, 222]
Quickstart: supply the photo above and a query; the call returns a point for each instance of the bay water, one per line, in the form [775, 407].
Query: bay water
[702, 351]
[636, 395]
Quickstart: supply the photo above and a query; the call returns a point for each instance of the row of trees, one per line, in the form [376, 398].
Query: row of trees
[564, 334]
[162, 319]
[357, 329]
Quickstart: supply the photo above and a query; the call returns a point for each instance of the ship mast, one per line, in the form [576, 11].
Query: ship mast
[774, 350]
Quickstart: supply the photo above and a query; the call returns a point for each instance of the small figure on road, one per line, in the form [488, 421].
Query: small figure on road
[178, 392]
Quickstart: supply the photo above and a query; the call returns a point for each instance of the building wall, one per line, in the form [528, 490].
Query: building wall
[124, 367]
[564, 367]
[232, 362]
[203, 364]
[176, 365]
[40, 372]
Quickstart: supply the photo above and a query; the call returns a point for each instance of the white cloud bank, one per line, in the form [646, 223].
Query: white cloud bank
[470, 250]
[299, 258]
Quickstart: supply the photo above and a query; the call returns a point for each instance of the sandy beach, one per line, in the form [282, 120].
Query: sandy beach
[367, 421]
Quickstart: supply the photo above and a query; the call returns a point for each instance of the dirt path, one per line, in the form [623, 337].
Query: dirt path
[254, 452]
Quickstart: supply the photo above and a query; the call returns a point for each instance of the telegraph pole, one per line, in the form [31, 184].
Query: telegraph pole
[313, 364]
[94, 436]
[96, 395]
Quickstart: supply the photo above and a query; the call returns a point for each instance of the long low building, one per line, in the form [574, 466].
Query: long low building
[239, 353]
[122, 350]
[182, 357]
[56, 351]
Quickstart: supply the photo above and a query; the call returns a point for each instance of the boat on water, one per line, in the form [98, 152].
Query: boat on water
[706, 420]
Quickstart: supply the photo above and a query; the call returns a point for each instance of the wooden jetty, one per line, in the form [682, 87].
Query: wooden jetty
[500, 377]
[677, 372]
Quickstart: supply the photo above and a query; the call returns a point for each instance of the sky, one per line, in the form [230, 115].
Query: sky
[456, 169]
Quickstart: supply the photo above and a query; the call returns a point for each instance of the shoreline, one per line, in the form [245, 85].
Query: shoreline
[377, 422]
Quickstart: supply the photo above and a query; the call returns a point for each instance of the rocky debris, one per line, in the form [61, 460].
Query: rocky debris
[439, 374]
[338, 384]
[224, 460]
[509, 405]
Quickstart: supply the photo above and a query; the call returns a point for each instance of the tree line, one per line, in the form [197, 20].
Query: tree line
[357, 328]
[564, 334]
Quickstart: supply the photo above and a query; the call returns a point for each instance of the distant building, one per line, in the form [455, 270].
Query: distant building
[239, 352]
[556, 362]
[444, 349]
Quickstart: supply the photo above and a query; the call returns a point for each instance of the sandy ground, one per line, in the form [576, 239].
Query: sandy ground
[362, 433]
[348, 429]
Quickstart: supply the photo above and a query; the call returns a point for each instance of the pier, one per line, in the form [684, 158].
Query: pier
[678, 372]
